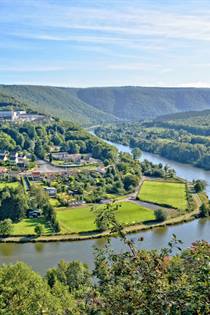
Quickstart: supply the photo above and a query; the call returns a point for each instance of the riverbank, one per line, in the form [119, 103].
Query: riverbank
[185, 171]
[95, 235]
[140, 217]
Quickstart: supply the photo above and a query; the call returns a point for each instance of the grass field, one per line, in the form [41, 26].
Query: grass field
[26, 226]
[164, 193]
[74, 220]
[10, 185]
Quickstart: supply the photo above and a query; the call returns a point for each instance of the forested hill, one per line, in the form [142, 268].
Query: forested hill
[183, 115]
[57, 102]
[96, 105]
[137, 103]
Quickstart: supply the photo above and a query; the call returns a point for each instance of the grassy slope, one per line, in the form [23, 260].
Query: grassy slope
[95, 105]
[74, 220]
[164, 193]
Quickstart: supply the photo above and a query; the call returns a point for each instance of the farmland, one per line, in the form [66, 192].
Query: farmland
[164, 193]
[75, 220]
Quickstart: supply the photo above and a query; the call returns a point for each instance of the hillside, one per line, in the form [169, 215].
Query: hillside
[135, 103]
[96, 105]
[183, 115]
[197, 123]
[57, 102]
[9, 103]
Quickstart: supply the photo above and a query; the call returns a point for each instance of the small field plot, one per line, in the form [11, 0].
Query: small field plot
[9, 184]
[164, 193]
[26, 226]
[81, 219]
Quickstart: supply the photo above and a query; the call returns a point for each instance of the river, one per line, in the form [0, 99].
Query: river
[186, 171]
[42, 256]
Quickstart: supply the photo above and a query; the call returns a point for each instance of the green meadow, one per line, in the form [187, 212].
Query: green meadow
[81, 219]
[164, 193]
[27, 226]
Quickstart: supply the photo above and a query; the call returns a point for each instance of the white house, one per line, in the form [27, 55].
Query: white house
[52, 191]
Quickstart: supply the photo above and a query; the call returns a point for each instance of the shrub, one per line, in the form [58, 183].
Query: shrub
[204, 211]
[6, 227]
[160, 215]
[39, 230]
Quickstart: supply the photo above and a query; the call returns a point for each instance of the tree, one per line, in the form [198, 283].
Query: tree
[14, 203]
[160, 215]
[73, 148]
[26, 292]
[130, 181]
[6, 227]
[39, 230]
[204, 210]
[38, 197]
[6, 142]
[50, 157]
[199, 185]
[39, 150]
[105, 216]
[75, 275]
[136, 152]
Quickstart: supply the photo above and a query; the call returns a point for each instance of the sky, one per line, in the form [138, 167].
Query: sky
[80, 43]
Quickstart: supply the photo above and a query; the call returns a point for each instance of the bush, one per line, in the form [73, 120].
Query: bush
[6, 227]
[39, 230]
[204, 210]
[160, 215]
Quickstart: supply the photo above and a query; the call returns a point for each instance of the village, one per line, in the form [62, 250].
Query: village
[19, 167]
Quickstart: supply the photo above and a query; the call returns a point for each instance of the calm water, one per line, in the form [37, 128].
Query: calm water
[42, 256]
[186, 171]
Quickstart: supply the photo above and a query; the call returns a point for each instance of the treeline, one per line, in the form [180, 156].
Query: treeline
[178, 145]
[197, 123]
[133, 282]
[40, 139]
[15, 204]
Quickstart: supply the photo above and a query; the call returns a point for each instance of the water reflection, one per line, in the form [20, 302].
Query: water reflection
[43, 256]
[8, 250]
[39, 247]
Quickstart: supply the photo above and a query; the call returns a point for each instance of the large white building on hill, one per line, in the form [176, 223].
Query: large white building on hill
[19, 115]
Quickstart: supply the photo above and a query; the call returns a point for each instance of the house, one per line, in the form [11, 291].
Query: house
[13, 158]
[59, 156]
[36, 176]
[65, 156]
[3, 156]
[3, 170]
[8, 115]
[52, 191]
[31, 213]
[22, 160]
[101, 170]
[22, 163]
[105, 201]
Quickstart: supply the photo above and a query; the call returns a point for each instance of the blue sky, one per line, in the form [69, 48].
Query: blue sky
[105, 42]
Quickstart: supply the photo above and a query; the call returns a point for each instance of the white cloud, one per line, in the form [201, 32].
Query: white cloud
[121, 22]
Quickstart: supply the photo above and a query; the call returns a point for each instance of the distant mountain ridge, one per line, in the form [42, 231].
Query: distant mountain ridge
[107, 104]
